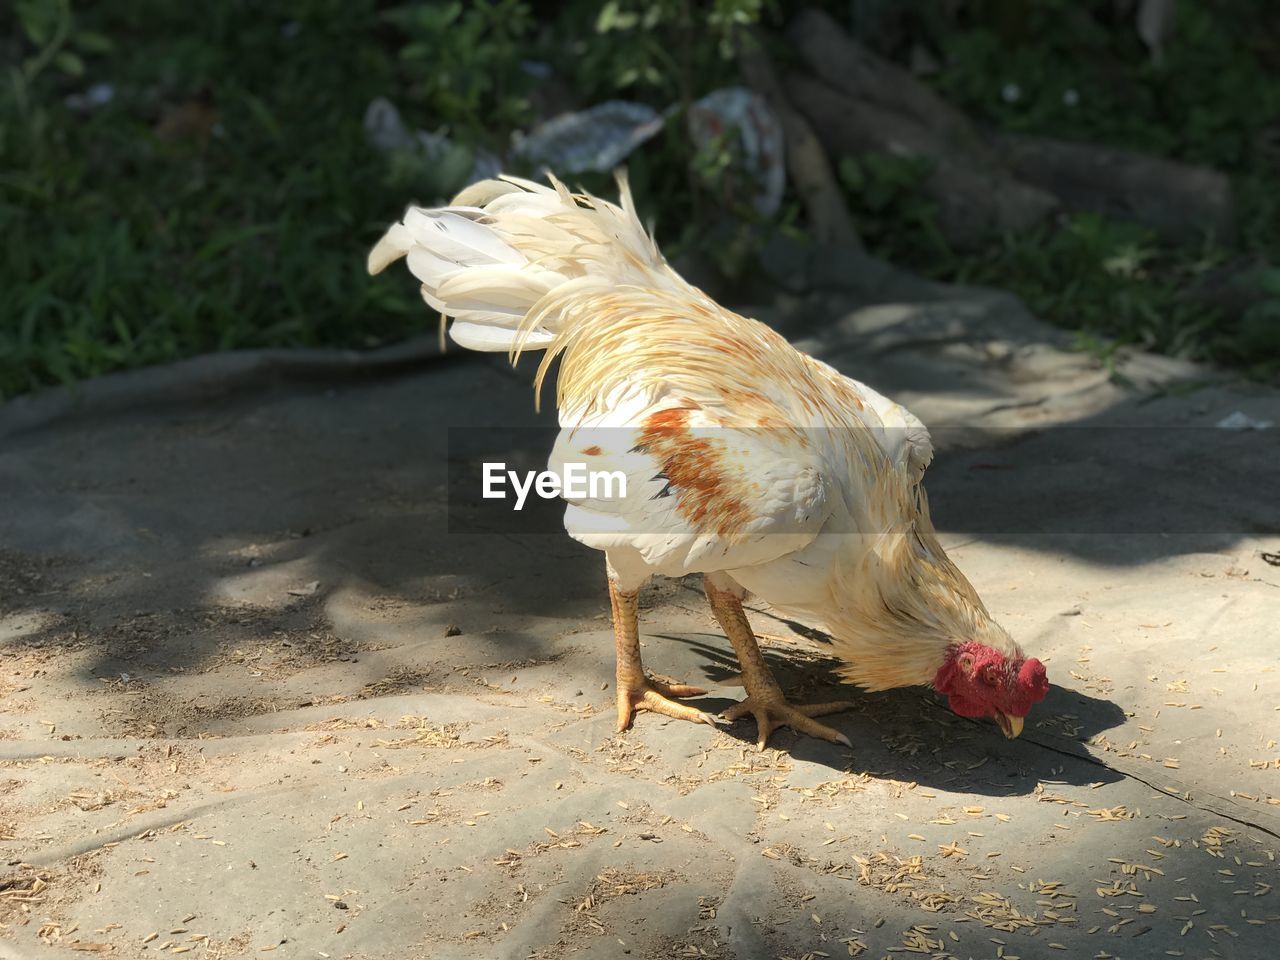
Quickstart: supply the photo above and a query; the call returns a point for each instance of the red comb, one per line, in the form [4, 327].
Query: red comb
[1034, 680]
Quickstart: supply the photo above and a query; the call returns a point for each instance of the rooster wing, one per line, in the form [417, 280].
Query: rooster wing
[699, 496]
[708, 489]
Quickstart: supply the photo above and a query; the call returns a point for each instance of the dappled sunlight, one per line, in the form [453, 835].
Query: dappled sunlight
[266, 586]
[280, 674]
[14, 627]
[272, 623]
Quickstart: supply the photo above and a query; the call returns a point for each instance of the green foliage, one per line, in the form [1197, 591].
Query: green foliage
[1112, 282]
[1257, 342]
[462, 64]
[1078, 70]
[48, 27]
[225, 195]
[1052, 67]
[896, 220]
[667, 48]
[222, 199]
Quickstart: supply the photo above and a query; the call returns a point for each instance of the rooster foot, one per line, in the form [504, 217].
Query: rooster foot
[658, 696]
[773, 712]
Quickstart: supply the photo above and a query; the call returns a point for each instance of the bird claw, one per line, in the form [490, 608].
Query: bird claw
[774, 711]
[658, 696]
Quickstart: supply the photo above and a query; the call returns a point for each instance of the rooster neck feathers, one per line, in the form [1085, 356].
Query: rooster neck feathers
[899, 606]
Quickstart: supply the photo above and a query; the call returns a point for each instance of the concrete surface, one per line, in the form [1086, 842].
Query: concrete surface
[257, 701]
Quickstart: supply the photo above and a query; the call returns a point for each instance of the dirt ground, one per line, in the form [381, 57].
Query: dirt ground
[257, 700]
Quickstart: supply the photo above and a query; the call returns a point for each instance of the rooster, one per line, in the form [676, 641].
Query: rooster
[747, 461]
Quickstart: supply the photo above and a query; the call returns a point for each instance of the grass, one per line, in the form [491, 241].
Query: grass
[1116, 283]
[225, 196]
[1211, 97]
[221, 200]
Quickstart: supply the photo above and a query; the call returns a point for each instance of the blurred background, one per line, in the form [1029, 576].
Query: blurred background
[183, 178]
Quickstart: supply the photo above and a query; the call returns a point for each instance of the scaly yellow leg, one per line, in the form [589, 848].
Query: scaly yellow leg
[764, 699]
[636, 691]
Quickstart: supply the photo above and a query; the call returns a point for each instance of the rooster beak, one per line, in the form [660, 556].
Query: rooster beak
[1011, 726]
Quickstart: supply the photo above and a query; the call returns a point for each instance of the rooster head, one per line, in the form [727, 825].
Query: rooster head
[980, 681]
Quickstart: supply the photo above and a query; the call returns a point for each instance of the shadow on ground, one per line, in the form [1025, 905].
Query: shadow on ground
[251, 611]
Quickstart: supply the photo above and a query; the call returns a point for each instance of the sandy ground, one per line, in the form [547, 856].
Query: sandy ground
[258, 701]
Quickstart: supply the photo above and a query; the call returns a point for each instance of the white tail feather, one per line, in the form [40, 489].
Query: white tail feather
[492, 257]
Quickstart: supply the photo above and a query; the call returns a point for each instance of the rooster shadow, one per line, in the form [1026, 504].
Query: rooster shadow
[909, 734]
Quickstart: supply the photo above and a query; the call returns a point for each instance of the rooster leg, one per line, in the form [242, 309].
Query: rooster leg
[764, 697]
[636, 691]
